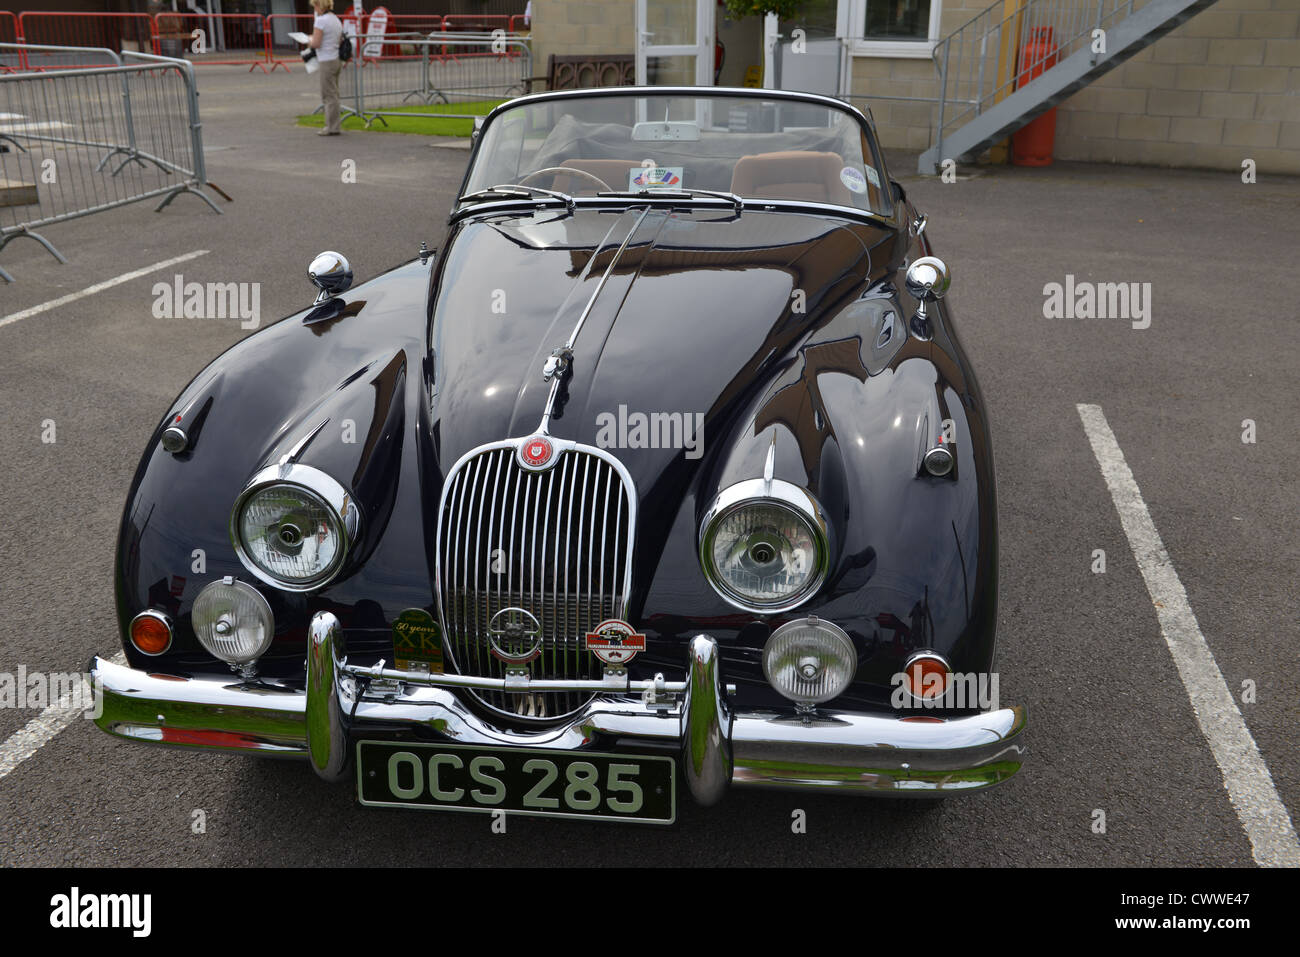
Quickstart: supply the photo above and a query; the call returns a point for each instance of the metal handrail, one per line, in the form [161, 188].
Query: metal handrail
[985, 59]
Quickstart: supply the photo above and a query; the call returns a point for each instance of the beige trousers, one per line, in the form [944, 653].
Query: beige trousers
[329, 93]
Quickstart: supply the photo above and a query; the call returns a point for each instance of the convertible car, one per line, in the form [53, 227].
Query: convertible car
[663, 472]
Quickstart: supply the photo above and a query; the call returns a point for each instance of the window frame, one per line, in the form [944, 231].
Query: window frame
[853, 23]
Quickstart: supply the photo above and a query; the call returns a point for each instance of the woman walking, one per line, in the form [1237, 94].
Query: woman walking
[326, 33]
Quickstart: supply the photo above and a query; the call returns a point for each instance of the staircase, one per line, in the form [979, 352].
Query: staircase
[987, 93]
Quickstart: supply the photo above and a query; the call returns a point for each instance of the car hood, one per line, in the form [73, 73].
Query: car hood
[682, 314]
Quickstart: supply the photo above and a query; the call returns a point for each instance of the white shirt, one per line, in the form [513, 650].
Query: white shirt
[331, 33]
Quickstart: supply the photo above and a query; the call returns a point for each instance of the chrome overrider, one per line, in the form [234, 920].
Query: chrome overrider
[879, 754]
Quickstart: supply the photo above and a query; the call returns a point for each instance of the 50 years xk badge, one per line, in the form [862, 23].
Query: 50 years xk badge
[417, 642]
[615, 642]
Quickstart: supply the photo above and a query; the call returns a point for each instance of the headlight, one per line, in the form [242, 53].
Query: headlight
[292, 527]
[763, 545]
[233, 621]
[809, 660]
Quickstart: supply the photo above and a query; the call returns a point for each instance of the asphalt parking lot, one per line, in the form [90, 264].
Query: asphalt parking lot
[1112, 726]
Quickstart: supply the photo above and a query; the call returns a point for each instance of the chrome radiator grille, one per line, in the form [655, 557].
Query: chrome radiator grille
[556, 543]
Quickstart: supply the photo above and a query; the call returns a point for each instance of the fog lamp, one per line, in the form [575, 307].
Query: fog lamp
[809, 660]
[233, 621]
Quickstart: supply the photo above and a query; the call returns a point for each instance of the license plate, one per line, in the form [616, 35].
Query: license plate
[575, 784]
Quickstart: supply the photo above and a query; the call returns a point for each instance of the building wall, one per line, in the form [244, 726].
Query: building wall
[902, 124]
[1221, 88]
[582, 26]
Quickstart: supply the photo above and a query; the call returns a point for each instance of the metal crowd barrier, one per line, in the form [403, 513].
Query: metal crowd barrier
[217, 39]
[83, 140]
[9, 34]
[437, 68]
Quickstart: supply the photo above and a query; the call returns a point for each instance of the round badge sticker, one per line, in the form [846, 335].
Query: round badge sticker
[615, 642]
[853, 180]
[536, 453]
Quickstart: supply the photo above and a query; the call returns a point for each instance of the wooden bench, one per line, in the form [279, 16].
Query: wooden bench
[580, 71]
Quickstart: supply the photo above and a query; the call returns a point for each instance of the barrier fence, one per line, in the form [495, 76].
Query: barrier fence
[9, 34]
[82, 140]
[441, 68]
[96, 32]
[226, 39]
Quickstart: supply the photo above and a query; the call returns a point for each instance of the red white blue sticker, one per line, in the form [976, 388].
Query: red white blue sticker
[654, 177]
[615, 641]
[536, 452]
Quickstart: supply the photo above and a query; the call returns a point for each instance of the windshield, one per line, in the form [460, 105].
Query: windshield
[758, 148]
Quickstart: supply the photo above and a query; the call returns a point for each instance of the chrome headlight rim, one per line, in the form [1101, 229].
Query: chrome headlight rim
[327, 492]
[780, 494]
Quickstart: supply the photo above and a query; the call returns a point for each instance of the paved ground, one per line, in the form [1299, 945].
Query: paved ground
[1111, 723]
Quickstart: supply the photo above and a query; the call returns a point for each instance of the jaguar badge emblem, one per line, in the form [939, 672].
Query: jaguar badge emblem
[515, 636]
[537, 453]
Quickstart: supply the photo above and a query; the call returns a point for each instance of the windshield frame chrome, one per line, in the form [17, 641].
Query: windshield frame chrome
[459, 211]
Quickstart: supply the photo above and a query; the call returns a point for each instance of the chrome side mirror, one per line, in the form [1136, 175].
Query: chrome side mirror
[331, 273]
[927, 279]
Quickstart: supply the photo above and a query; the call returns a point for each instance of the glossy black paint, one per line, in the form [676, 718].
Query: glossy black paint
[702, 313]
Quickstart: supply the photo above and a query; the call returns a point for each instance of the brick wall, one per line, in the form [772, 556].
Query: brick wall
[582, 26]
[902, 124]
[1223, 87]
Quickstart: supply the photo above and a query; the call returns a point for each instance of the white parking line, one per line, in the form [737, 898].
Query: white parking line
[1245, 775]
[39, 731]
[99, 287]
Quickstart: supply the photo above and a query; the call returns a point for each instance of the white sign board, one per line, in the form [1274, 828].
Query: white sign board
[375, 30]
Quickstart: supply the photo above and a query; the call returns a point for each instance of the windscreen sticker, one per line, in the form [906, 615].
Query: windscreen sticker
[853, 180]
[654, 177]
[873, 177]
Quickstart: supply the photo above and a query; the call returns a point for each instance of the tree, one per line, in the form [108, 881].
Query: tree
[784, 9]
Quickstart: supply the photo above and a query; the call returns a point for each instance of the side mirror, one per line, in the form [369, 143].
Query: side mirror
[331, 273]
[927, 279]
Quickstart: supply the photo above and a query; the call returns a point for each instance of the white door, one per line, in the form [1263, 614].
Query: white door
[674, 42]
[771, 35]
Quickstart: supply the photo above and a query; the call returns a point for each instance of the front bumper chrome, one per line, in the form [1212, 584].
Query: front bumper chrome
[847, 752]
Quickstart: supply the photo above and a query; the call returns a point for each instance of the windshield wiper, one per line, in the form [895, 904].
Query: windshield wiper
[681, 192]
[511, 189]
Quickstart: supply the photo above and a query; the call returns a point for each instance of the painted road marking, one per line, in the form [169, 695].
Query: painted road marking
[40, 731]
[99, 287]
[1245, 775]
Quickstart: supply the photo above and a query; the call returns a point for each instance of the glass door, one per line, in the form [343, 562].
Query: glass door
[674, 42]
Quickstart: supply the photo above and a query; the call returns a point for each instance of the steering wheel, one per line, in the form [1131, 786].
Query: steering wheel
[566, 169]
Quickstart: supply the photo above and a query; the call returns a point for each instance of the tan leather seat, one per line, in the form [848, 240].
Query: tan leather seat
[792, 174]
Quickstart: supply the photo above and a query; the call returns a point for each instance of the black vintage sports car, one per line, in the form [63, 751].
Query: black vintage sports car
[666, 471]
